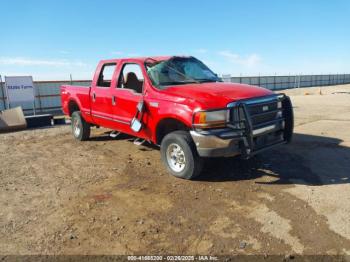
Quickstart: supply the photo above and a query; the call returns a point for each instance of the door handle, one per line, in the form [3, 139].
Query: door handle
[113, 100]
[93, 97]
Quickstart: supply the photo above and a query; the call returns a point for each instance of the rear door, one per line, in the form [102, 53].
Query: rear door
[101, 98]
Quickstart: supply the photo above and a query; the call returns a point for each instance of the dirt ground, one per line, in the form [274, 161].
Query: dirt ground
[108, 196]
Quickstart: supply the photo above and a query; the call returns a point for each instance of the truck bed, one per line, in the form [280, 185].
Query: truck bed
[77, 94]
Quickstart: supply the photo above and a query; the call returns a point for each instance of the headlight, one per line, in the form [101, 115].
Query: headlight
[211, 119]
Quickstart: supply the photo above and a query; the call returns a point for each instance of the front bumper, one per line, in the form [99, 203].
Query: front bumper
[228, 144]
[246, 142]
[212, 145]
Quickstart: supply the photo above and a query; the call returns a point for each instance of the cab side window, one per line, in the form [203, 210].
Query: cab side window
[131, 77]
[106, 74]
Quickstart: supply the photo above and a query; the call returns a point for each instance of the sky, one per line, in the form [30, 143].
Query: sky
[52, 39]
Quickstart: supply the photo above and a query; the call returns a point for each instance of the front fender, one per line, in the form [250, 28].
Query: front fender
[179, 112]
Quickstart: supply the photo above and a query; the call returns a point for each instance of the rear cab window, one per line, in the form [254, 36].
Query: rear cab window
[106, 74]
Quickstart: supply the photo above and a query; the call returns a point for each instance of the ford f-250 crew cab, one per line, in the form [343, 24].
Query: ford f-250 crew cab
[179, 104]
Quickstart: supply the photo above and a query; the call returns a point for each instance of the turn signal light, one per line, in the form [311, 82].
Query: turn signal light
[211, 119]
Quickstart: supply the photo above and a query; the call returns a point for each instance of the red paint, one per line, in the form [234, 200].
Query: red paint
[178, 102]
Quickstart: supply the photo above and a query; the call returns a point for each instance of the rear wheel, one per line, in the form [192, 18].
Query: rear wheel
[180, 156]
[80, 128]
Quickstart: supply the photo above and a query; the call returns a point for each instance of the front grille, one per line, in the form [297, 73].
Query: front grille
[257, 108]
[266, 124]
[265, 113]
[261, 119]
[262, 113]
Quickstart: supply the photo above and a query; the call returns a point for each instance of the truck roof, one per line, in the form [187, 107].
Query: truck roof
[139, 59]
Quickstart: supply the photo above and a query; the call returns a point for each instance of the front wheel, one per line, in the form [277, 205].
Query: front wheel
[80, 128]
[180, 156]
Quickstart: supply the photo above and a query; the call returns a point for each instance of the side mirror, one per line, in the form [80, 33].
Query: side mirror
[136, 125]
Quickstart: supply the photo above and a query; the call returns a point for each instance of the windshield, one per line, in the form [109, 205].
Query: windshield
[179, 71]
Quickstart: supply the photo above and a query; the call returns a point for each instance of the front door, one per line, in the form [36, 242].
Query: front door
[126, 96]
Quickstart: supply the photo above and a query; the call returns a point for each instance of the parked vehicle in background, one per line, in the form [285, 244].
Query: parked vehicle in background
[179, 104]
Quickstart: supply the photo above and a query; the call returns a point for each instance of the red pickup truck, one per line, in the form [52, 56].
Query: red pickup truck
[179, 104]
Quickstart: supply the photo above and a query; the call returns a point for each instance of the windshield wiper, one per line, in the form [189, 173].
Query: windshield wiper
[207, 80]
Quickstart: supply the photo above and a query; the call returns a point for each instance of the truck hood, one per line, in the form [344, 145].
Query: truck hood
[216, 95]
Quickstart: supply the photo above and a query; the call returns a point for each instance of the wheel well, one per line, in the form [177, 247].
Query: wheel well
[72, 107]
[167, 126]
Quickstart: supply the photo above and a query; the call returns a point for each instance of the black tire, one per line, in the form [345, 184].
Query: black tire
[82, 125]
[193, 162]
[289, 119]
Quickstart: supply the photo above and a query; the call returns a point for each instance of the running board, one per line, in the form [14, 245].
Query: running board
[139, 141]
[114, 134]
